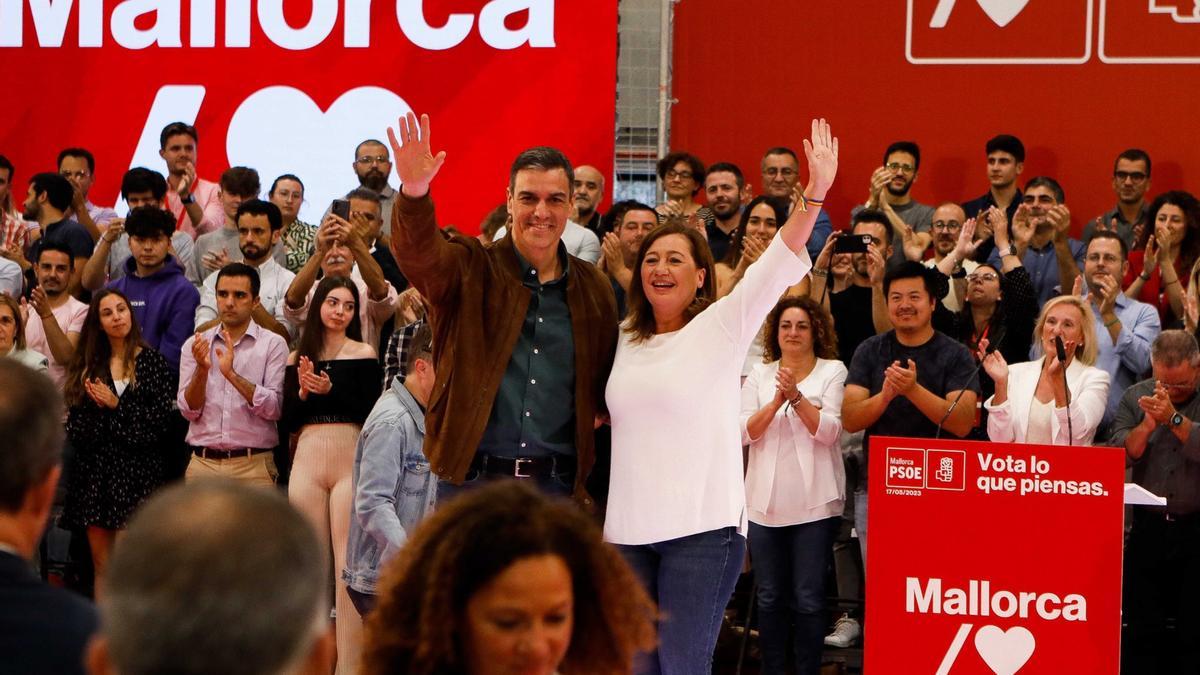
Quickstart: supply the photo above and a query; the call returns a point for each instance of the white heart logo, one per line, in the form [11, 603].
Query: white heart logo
[280, 130]
[1005, 652]
[1002, 11]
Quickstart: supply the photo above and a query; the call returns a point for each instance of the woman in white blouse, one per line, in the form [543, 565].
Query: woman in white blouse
[1031, 401]
[677, 503]
[796, 482]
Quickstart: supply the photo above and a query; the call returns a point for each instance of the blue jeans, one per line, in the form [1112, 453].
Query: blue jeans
[691, 578]
[553, 486]
[790, 565]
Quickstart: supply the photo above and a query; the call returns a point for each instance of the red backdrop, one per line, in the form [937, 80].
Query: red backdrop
[511, 80]
[749, 76]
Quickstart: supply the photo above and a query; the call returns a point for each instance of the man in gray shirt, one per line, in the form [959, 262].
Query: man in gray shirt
[892, 183]
[1155, 424]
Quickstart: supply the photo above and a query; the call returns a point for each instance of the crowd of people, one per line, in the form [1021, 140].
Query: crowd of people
[698, 380]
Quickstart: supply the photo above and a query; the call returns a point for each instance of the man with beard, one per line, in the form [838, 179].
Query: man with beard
[781, 178]
[589, 192]
[57, 318]
[891, 184]
[1125, 327]
[622, 244]
[1052, 258]
[47, 202]
[947, 223]
[220, 247]
[372, 164]
[1131, 181]
[724, 187]
[850, 322]
[259, 226]
[193, 201]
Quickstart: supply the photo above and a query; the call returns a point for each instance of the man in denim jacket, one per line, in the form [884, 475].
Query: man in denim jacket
[393, 486]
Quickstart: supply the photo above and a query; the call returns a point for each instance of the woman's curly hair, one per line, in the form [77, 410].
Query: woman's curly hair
[824, 338]
[417, 626]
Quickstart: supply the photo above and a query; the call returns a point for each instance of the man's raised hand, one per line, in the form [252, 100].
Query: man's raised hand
[416, 165]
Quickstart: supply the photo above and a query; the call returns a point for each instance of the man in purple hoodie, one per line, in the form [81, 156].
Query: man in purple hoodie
[163, 300]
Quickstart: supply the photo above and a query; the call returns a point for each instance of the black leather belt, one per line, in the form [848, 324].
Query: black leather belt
[218, 453]
[521, 467]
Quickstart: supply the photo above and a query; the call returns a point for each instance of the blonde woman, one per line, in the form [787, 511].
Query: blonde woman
[1032, 404]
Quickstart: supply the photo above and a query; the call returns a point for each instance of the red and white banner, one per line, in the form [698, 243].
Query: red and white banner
[1077, 80]
[293, 87]
[993, 558]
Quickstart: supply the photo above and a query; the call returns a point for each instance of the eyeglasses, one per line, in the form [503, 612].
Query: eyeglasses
[367, 161]
[682, 175]
[980, 277]
[897, 166]
[946, 225]
[1109, 258]
[786, 172]
[1135, 176]
[78, 175]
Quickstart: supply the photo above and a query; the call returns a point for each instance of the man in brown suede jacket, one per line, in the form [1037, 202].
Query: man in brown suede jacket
[524, 334]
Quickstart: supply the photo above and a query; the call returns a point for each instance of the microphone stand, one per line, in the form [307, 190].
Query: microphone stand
[992, 346]
[1061, 352]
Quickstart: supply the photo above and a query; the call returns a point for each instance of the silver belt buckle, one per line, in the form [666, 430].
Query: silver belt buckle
[517, 464]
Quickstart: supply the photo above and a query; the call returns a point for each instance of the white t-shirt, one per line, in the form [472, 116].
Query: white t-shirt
[674, 401]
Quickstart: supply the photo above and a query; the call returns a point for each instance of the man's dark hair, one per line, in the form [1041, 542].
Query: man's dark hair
[78, 152]
[369, 141]
[780, 150]
[1051, 184]
[422, 347]
[366, 195]
[911, 269]
[258, 207]
[176, 129]
[146, 222]
[728, 167]
[6, 164]
[612, 219]
[873, 216]
[237, 269]
[1007, 143]
[1107, 234]
[31, 432]
[57, 247]
[214, 576]
[910, 147]
[286, 176]
[140, 179]
[694, 164]
[1134, 155]
[542, 158]
[241, 181]
[59, 191]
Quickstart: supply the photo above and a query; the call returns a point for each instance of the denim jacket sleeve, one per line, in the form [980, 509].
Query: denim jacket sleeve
[380, 481]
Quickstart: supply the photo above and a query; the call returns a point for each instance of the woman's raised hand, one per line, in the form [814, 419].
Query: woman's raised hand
[822, 153]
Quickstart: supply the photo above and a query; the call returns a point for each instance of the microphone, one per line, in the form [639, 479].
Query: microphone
[992, 346]
[1062, 359]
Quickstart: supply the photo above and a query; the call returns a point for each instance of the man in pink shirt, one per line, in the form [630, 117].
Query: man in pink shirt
[193, 201]
[231, 386]
[56, 318]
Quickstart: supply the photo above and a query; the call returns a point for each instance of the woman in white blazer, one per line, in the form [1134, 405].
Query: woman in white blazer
[1031, 403]
[795, 481]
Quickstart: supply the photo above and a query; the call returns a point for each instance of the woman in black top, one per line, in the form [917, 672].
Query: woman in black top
[332, 382]
[120, 394]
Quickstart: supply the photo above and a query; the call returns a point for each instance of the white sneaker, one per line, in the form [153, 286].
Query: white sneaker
[846, 632]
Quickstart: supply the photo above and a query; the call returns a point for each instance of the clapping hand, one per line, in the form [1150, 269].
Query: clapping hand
[416, 165]
[1022, 225]
[993, 364]
[188, 180]
[1060, 217]
[752, 248]
[902, 379]
[1104, 295]
[965, 247]
[215, 260]
[225, 354]
[785, 385]
[310, 382]
[1157, 406]
[101, 394]
[202, 352]
[1054, 366]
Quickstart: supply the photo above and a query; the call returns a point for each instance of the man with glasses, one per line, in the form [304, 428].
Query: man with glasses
[1155, 424]
[781, 178]
[891, 185]
[78, 166]
[1131, 181]
[372, 165]
[1125, 328]
[948, 220]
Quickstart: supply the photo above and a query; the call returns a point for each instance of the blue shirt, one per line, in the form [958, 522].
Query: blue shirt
[1128, 359]
[1042, 265]
[393, 486]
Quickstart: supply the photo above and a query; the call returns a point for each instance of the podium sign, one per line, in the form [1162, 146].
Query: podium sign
[993, 558]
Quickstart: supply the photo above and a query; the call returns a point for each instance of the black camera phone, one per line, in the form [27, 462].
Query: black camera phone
[852, 243]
